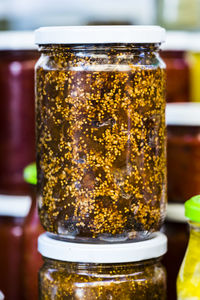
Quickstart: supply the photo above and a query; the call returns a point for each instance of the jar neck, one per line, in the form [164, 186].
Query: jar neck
[90, 268]
[106, 48]
[194, 227]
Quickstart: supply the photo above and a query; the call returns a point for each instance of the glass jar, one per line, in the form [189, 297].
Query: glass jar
[101, 132]
[176, 230]
[174, 55]
[31, 259]
[17, 59]
[183, 130]
[13, 210]
[188, 281]
[88, 271]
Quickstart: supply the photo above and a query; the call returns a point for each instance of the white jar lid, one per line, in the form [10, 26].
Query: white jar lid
[99, 34]
[176, 213]
[102, 253]
[183, 114]
[17, 40]
[14, 206]
[177, 41]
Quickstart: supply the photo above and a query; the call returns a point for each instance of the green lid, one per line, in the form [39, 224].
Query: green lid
[30, 174]
[192, 209]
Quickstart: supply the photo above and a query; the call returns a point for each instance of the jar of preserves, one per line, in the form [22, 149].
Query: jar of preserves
[176, 230]
[183, 130]
[115, 271]
[175, 56]
[13, 210]
[188, 282]
[31, 259]
[101, 132]
[17, 59]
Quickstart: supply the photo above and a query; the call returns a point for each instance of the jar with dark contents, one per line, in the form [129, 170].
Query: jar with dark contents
[101, 156]
[177, 231]
[116, 271]
[183, 130]
[18, 56]
[13, 210]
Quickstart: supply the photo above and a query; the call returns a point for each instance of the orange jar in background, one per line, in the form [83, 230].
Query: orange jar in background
[174, 55]
[183, 150]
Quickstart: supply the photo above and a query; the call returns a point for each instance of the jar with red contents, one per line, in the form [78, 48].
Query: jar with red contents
[178, 70]
[13, 210]
[17, 59]
[31, 259]
[183, 130]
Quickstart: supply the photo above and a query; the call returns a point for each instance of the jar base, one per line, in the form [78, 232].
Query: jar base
[104, 239]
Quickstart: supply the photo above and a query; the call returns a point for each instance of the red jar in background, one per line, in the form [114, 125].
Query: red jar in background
[177, 230]
[183, 151]
[17, 59]
[31, 259]
[177, 66]
[13, 210]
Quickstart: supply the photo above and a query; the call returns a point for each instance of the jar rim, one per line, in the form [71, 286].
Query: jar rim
[154, 247]
[100, 34]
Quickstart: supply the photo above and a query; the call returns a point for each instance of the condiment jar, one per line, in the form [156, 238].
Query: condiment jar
[13, 210]
[31, 259]
[90, 271]
[175, 56]
[100, 105]
[188, 282]
[176, 230]
[17, 59]
[183, 131]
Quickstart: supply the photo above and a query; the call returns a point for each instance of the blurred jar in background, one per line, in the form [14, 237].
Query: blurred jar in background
[17, 59]
[194, 61]
[13, 210]
[179, 14]
[176, 229]
[31, 259]
[183, 131]
[178, 73]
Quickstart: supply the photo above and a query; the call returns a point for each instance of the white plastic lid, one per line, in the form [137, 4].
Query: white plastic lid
[176, 213]
[99, 34]
[183, 114]
[17, 40]
[14, 206]
[177, 41]
[101, 253]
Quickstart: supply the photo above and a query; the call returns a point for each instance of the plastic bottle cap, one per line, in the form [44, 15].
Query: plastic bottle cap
[30, 174]
[52, 248]
[183, 114]
[99, 34]
[17, 40]
[192, 209]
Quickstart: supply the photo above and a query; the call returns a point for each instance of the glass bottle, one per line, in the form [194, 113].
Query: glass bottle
[188, 282]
